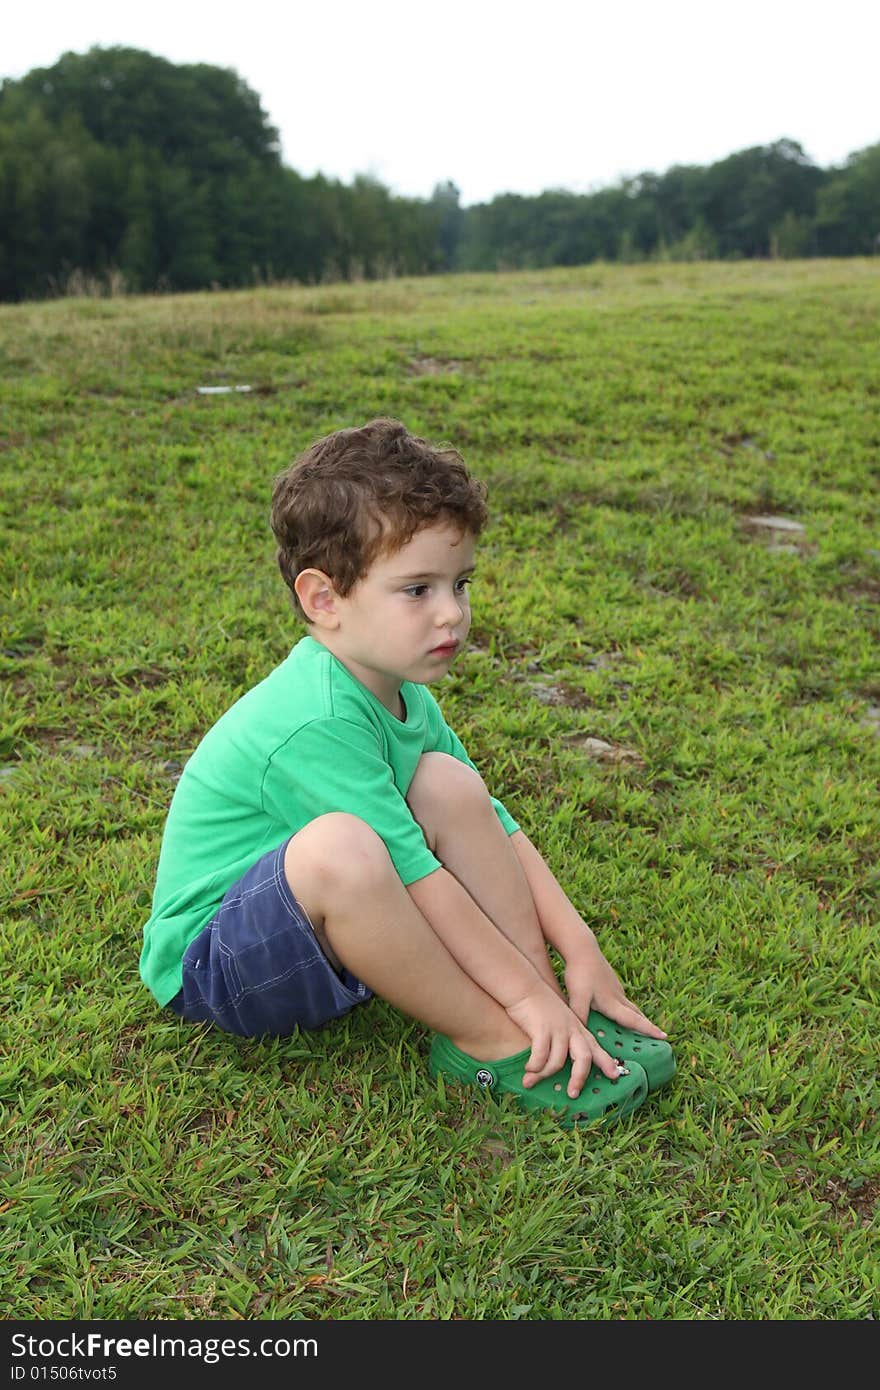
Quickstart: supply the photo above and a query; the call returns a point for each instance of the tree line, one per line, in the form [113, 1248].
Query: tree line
[119, 169]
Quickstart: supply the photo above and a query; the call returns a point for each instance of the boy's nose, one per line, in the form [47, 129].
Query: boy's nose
[451, 613]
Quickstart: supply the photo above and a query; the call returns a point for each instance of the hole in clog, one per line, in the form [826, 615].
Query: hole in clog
[636, 1047]
[595, 1090]
[600, 1032]
[558, 1086]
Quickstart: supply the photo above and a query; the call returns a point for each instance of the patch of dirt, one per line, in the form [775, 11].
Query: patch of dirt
[781, 534]
[677, 584]
[145, 678]
[602, 752]
[737, 440]
[602, 661]
[871, 719]
[550, 693]
[867, 591]
[433, 366]
[859, 1199]
[544, 686]
[775, 523]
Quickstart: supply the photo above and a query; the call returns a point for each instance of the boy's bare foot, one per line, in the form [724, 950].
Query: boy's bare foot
[489, 1047]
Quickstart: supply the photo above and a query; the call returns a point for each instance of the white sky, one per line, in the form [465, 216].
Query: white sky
[504, 96]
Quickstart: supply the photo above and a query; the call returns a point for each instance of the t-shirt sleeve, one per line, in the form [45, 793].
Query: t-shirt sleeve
[333, 764]
[446, 740]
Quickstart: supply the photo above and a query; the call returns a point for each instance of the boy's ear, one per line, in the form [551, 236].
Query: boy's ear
[316, 593]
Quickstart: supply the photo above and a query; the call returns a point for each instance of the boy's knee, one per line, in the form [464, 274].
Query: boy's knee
[441, 780]
[337, 849]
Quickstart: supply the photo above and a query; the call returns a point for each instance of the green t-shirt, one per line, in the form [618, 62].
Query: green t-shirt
[307, 740]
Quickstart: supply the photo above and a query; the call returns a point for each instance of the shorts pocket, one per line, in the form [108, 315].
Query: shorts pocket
[229, 966]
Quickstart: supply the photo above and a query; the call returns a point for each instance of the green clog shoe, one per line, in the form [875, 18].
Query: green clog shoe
[601, 1099]
[653, 1055]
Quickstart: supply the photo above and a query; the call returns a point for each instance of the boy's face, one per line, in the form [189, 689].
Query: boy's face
[409, 615]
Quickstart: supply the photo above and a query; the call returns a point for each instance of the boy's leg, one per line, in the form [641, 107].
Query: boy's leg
[450, 801]
[342, 876]
[452, 805]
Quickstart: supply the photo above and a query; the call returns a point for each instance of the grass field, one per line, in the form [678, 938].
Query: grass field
[680, 704]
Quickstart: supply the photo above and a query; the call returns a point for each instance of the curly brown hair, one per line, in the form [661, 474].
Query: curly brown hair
[356, 494]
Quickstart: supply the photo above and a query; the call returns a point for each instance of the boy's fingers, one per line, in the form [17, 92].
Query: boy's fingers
[581, 1065]
[549, 1055]
[558, 1057]
[605, 1062]
[641, 1023]
[631, 1017]
[554, 1058]
[537, 1060]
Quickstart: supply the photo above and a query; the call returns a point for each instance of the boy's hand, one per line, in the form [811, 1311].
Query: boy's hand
[591, 983]
[556, 1034]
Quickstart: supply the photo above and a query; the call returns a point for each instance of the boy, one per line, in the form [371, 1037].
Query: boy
[329, 838]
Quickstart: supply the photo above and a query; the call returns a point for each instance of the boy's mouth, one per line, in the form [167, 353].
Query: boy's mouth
[445, 649]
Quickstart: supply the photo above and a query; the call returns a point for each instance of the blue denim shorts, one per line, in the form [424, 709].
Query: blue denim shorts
[258, 968]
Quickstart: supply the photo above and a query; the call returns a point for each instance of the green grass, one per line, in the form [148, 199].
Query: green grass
[629, 422]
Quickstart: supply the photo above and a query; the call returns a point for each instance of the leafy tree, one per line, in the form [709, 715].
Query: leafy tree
[185, 231]
[746, 195]
[848, 213]
[676, 201]
[44, 205]
[449, 219]
[794, 237]
[698, 243]
[139, 247]
[205, 115]
[119, 160]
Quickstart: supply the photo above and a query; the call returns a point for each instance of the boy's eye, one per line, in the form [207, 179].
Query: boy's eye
[418, 590]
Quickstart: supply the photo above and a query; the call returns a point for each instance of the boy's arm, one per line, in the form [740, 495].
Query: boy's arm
[499, 968]
[589, 979]
[481, 950]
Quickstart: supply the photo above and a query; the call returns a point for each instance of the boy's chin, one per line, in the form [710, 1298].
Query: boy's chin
[437, 666]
